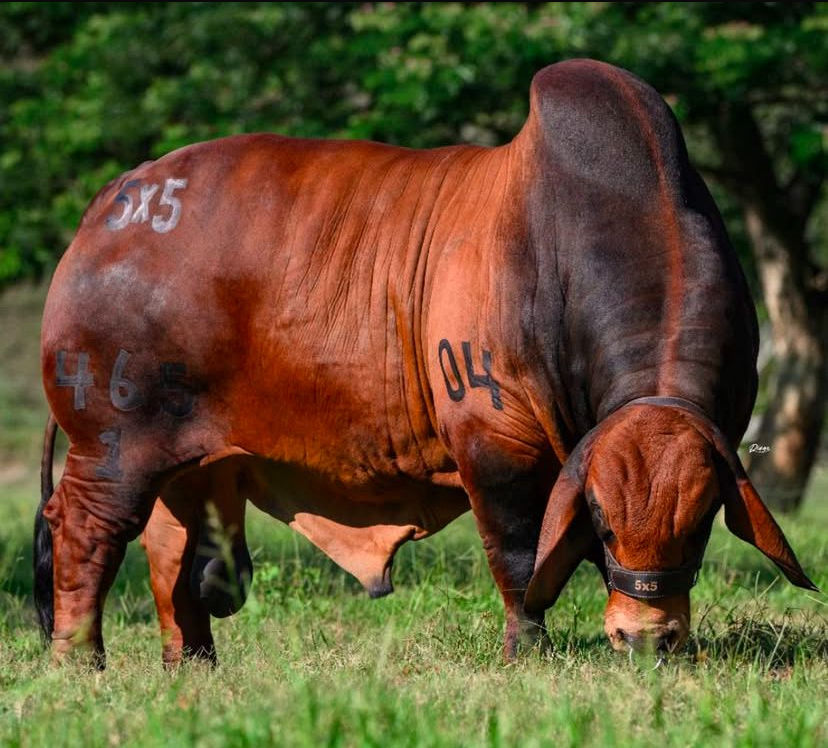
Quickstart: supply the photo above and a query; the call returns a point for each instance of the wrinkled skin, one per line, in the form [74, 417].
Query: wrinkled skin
[366, 341]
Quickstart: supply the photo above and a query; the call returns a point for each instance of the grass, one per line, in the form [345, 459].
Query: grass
[312, 661]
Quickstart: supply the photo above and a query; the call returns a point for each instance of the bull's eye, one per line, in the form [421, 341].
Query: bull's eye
[605, 534]
[599, 521]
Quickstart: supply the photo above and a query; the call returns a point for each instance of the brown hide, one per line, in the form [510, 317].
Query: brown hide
[292, 289]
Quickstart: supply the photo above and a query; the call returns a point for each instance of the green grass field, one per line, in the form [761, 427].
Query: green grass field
[312, 661]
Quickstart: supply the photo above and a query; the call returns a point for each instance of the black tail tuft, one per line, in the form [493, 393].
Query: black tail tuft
[43, 571]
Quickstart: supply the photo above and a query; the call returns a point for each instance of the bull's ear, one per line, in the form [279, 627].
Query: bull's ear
[566, 535]
[748, 518]
[746, 515]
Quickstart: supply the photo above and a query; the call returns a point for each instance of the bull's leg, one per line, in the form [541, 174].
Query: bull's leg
[199, 564]
[222, 569]
[170, 540]
[94, 512]
[508, 502]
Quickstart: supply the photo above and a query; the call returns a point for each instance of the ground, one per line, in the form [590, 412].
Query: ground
[312, 661]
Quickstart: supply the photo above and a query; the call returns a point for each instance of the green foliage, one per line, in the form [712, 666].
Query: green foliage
[91, 89]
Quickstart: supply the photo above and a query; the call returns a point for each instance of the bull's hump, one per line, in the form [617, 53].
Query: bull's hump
[607, 128]
[620, 171]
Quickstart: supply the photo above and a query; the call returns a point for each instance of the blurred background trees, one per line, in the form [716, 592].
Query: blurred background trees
[90, 89]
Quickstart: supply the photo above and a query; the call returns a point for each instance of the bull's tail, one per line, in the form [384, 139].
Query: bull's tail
[43, 571]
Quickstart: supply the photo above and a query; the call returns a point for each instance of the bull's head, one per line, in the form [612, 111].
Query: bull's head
[638, 495]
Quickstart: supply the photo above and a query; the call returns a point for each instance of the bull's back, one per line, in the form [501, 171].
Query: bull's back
[237, 293]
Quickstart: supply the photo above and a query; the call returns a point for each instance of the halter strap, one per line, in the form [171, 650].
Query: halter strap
[650, 585]
[667, 401]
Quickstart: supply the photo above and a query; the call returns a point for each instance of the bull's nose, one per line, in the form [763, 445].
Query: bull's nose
[664, 639]
[631, 640]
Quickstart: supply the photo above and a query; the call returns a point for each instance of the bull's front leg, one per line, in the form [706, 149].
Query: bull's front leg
[508, 497]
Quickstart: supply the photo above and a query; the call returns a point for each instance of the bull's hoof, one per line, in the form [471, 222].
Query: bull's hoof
[88, 655]
[525, 636]
[174, 655]
[221, 587]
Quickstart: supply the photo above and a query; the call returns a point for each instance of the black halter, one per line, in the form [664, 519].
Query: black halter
[655, 584]
[650, 585]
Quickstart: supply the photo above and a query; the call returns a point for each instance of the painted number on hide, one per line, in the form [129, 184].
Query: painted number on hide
[174, 392]
[455, 391]
[110, 468]
[80, 380]
[454, 383]
[177, 400]
[122, 392]
[136, 199]
[484, 380]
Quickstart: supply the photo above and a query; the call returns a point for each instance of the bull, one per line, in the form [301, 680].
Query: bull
[365, 341]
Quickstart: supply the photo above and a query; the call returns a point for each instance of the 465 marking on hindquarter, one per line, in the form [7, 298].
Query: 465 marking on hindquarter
[177, 396]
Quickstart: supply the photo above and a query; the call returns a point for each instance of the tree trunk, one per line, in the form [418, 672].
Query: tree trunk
[792, 423]
[776, 217]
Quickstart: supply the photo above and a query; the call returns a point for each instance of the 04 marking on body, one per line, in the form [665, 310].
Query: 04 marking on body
[137, 200]
[455, 387]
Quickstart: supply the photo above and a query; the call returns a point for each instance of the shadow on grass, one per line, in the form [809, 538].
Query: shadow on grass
[769, 643]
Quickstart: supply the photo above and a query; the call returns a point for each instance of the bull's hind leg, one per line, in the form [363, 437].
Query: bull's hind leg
[508, 499]
[170, 540]
[222, 569]
[98, 507]
[199, 564]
